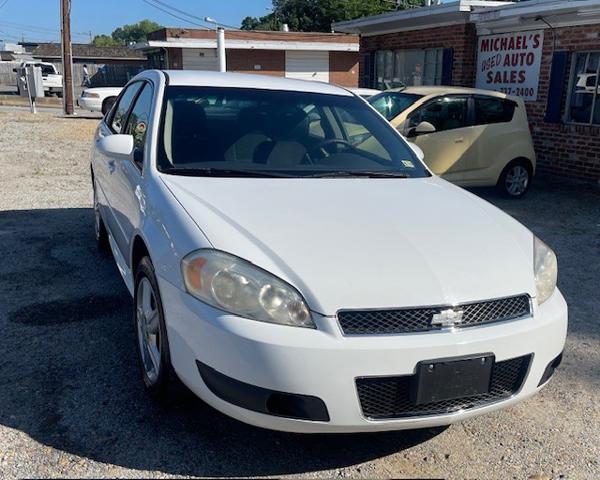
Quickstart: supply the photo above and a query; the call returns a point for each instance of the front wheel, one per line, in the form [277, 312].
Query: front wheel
[154, 356]
[515, 179]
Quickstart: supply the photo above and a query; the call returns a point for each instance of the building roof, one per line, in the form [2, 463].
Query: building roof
[489, 16]
[529, 15]
[451, 13]
[86, 51]
[244, 80]
[251, 40]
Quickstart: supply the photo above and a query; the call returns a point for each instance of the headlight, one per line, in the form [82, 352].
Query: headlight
[90, 95]
[236, 286]
[545, 267]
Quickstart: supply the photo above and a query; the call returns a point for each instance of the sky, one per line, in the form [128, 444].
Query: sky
[38, 20]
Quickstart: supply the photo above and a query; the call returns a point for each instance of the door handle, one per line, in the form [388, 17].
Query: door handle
[111, 166]
[459, 140]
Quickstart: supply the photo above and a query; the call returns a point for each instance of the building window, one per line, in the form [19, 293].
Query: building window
[408, 68]
[584, 99]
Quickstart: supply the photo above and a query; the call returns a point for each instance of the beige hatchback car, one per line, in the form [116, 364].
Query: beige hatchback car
[470, 137]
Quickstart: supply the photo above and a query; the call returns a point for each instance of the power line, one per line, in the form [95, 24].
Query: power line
[26, 26]
[34, 28]
[174, 15]
[170, 7]
[166, 5]
[4, 3]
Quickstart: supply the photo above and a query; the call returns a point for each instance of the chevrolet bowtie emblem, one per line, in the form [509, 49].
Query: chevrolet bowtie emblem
[447, 318]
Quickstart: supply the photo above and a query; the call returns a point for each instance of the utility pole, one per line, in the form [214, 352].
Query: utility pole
[67, 56]
[221, 52]
[221, 49]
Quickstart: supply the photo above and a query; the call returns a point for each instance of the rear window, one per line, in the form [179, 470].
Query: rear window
[493, 110]
[47, 69]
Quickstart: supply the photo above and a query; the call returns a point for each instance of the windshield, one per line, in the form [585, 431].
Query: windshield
[237, 131]
[392, 104]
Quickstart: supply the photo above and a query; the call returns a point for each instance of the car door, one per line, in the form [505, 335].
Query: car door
[493, 132]
[105, 167]
[447, 149]
[128, 199]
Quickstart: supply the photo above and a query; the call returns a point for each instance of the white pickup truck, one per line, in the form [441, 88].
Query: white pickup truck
[52, 80]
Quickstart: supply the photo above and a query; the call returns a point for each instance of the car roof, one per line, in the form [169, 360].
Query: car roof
[245, 80]
[364, 90]
[441, 90]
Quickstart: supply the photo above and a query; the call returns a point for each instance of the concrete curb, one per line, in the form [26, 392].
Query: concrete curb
[18, 101]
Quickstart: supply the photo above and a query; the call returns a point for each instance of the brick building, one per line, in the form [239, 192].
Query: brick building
[547, 51]
[314, 56]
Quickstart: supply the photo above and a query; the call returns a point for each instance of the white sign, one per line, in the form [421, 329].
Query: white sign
[510, 63]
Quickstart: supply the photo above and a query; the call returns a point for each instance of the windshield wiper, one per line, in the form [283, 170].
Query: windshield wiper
[222, 172]
[359, 174]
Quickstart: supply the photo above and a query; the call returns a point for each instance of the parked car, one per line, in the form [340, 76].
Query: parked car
[51, 78]
[98, 99]
[300, 278]
[470, 137]
[586, 83]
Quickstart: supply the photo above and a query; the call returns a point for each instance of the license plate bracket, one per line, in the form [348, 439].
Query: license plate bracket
[451, 378]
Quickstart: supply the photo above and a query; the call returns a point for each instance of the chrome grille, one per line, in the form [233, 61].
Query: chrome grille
[389, 397]
[369, 322]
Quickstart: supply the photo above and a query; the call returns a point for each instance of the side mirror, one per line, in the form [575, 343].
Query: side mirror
[422, 128]
[120, 146]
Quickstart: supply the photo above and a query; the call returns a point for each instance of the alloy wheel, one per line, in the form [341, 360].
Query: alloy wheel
[148, 332]
[517, 180]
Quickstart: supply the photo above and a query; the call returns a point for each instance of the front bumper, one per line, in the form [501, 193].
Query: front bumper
[324, 364]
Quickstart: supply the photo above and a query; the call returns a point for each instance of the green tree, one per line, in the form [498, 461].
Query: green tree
[104, 41]
[318, 15]
[135, 32]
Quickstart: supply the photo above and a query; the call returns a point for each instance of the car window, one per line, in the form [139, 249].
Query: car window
[392, 104]
[277, 133]
[137, 123]
[122, 107]
[445, 113]
[315, 121]
[591, 81]
[493, 110]
[359, 136]
[47, 69]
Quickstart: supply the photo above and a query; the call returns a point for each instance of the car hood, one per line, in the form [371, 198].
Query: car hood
[365, 243]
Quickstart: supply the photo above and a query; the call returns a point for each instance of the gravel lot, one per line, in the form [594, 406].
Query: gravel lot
[71, 403]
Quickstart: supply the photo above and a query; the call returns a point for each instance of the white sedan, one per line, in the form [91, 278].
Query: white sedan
[294, 263]
[98, 99]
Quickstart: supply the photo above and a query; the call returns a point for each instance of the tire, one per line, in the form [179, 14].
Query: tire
[99, 227]
[154, 357]
[515, 179]
[107, 104]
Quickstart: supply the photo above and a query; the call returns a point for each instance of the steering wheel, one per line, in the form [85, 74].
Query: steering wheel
[331, 141]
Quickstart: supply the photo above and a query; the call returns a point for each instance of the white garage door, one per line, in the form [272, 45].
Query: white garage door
[307, 65]
[200, 59]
